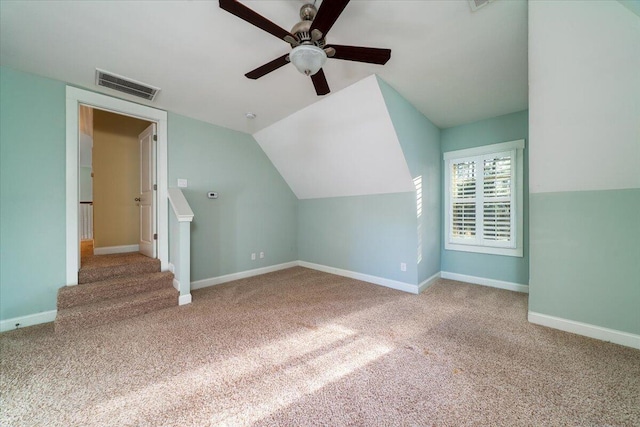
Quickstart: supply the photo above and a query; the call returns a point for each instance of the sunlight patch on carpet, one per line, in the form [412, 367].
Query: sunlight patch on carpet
[222, 379]
[303, 379]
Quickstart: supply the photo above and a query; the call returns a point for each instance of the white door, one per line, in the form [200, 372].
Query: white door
[147, 202]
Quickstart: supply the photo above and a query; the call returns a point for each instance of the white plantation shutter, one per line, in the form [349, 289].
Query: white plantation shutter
[497, 221]
[463, 189]
[482, 199]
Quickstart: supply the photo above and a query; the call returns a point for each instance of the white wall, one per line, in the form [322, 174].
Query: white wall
[343, 145]
[584, 96]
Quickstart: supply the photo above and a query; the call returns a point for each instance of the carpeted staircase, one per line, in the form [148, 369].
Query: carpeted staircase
[112, 288]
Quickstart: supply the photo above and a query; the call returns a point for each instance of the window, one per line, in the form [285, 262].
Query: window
[483, 199]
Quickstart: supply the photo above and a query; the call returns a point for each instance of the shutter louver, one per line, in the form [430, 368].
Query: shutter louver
[497, 221]
[497, 198]
[464, 220]
[464, 180]
[463, 183]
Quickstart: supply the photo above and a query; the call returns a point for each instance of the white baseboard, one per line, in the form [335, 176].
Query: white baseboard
[212, 281]
[586, 329]
[517, 287]
[430, 281]
[116, 249]
[393, 284]
[171, 267]
[401, 286]
[29, 320]
[184, 299]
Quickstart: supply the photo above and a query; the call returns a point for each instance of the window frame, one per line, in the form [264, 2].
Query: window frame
[514, 247]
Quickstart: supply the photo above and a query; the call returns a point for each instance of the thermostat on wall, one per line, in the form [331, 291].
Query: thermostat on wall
[212, 195]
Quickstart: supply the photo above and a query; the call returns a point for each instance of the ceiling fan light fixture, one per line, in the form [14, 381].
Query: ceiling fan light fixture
[308, 59]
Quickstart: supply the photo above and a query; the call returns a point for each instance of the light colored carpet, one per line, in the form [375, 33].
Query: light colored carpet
[300, 347]
[103, 267]
[112, 288]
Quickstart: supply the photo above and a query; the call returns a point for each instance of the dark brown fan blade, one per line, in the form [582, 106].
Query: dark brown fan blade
[327, 15]
[243, 12]
[268, 67]
[320, 83]
[361, 54]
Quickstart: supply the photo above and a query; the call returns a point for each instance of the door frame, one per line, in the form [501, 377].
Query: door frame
[75, 97]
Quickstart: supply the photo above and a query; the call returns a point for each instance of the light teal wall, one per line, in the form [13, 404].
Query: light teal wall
[420, 142]
[586, 248]
[509, 127]
[374, 234]
[366, 234]
[32, 193]
[256, 210]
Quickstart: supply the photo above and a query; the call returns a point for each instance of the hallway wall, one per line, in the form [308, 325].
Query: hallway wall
[116, 178]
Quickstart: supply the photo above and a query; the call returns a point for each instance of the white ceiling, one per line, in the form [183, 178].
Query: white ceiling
[353, 151]
[454, 65]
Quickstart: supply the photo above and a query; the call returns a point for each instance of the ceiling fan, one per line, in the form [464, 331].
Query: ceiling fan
[307, 39]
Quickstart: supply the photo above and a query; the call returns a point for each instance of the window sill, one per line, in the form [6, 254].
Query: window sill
[514, 252]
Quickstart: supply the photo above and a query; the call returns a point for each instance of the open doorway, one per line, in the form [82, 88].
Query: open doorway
[75, 99]
[114, 200]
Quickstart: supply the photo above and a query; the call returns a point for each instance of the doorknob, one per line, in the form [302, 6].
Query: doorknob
[137, 199]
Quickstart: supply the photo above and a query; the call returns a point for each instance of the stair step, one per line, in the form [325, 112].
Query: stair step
[104, 267]
[115, 309]
[89, 293]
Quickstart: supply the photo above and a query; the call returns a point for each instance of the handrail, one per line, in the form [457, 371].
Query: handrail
[180, 205]
[180, 244]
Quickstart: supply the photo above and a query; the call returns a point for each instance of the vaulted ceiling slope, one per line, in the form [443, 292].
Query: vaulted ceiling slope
[353, 150]
[454, 65]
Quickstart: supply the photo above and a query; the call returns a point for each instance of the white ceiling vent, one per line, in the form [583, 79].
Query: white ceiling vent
[126, 85]
[477, 4]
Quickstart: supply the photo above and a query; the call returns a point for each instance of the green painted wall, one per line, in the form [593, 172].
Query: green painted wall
[509, 127]
[366, 234]
[373, 234]
[420, 142]
[585, 158]
[256, 210]
[32, 193]
[586, 247]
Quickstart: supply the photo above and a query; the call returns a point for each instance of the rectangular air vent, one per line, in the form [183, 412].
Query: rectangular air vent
[126, 85]
[477, 4]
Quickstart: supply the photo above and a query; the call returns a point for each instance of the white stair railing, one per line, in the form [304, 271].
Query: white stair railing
[180, 243]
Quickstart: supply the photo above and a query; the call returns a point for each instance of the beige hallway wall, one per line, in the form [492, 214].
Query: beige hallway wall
[116, 179]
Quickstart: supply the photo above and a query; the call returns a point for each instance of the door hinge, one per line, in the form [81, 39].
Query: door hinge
[155, 137]
[155, 187]
[155, 236]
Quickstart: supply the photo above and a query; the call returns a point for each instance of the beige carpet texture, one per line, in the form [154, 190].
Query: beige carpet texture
[303, 348]
[112, 288]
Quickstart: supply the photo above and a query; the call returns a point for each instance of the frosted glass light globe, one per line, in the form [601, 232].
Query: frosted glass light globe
[308, 59]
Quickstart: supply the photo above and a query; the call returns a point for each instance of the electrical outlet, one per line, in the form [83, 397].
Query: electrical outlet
[183, 183]
[261, 255]
[253, 256]
[403, 266]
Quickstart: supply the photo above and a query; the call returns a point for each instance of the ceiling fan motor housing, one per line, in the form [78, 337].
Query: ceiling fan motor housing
[302, 29]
